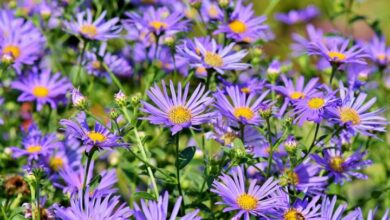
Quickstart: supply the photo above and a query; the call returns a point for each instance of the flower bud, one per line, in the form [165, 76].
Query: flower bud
[79, 101]
[196, 3]
[223, 3]
[273, 70]
[114, 114]
[290, 145]
[120, 99]
[135, 99]
[170, 41]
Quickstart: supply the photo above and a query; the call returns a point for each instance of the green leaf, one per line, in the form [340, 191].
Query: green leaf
[185, 157]
[144, 195]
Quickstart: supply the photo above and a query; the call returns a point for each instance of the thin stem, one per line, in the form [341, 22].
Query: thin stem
[80, 61]
[182, 210]
[113, 77]
[312, 143]
[271, 148]
[242, 129]
[89, 159]
[156, 49]
[143, 152]
[334, 70]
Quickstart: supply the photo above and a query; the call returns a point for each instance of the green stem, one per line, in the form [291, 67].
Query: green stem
[182, 210]
[312, 143]
[334, 70]
[143, 152]
[89, 159]
[271, 148]
[80, 61]
[113, 77]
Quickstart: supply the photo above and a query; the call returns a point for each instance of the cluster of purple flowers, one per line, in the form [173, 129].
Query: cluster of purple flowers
[250, 110]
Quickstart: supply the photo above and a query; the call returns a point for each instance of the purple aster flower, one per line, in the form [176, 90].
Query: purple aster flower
[43, 88]
[256, 200]
[338, 53]
[1, 103]
[158, 210]
[353, 114]
[342, 167]
[297, 16]
[118, 65]
[239, 106]
[210, 11]
[292, 92]
[36, 146]
[328, 212]
[73, 177]
[159, 21]
[97, 29]
[98, 137]
[308, 209]
[377, 51]
[358, 75]
[210, 55]
[21, 42]
[175, 111]
[243, 26]
[97, 208]
[313, 107]
[305, 178]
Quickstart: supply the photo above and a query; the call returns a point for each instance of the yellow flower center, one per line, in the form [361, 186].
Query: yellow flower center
[297, 95]
[381, 57]
[97, 65]
[12, 50]
[336, 56]
[56, 163]
[292, 177]
[96, 136]
[213, 12]
[237, 26]
[246, 90]
[316, 103]
[244, 112]
[157, 25]
[348, 114]
[88, 30]
[179, 115]
[213, 59]
[228, 138]
[247, 202]
[293, 214]
[40, 91]
[336, 163]
[34, 149]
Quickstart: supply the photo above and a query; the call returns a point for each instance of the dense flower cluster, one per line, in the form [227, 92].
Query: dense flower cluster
[171, 109]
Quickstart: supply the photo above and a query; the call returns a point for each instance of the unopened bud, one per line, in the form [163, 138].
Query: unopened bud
[290, 145]
[120, 99]
[78, 100]
[223, 3]
[114, 114]
[135, 99]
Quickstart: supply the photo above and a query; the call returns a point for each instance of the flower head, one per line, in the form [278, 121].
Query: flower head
[42, 88]
[36, 145]
[243, 26]
[174, 110]
[342, 167]
[327, 210]
[338, 53]
[239, 106]
[159, 21]
[97, 29]
[257, 200]
[377, 51]
[99, 137]
[307, 209]
[352, 113]
[209, 55]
